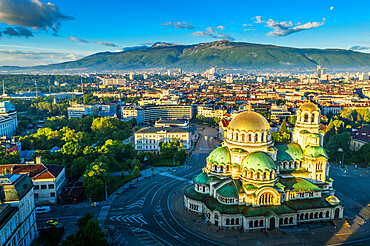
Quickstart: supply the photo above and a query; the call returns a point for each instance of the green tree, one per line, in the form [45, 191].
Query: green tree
[337, 141]
[95, 178]
[136, 173]
[292, 119]
[283, 126]
[281, 137]
[330, 131]
[89, 234]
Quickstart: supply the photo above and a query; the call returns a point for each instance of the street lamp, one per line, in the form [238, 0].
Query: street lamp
[341, 150]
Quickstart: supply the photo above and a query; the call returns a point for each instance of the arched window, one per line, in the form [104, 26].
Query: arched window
[262, 135]
[320, 215]
[236, 136]
[291, 220]
[302, 217]
[249, 137]
[232, 221]
[237, 221]
[227, 221]
[204, 188]
[264, 176]
[306, 216]
[261, 222]
[281, 221]
[243, 137]
[250, 224]
[311, 215]
[250, 174]
[327, 214]
[286, 220]
[256, 223]
[316, 215]
[266, 199]
[258, 175]
[305, 118]
[221, 168]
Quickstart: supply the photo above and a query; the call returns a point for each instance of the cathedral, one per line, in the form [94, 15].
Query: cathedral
[251, 183]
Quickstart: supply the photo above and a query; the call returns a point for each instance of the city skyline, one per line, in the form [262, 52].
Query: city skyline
[64, 30]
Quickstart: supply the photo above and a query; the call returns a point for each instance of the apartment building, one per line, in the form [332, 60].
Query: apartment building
[48, 180]
[211, 112]
[17, 210]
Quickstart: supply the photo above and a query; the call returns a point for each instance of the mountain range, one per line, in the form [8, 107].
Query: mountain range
[221, 54]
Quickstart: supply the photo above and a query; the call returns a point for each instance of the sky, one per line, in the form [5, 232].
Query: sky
[35, 32]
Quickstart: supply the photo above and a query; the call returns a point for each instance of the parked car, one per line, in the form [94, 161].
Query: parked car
[41, 210]
[132, 186]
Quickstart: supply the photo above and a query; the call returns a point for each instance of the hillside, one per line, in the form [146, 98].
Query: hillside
[223, 54]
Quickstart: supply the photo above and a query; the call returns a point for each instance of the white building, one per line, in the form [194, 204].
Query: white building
[114, 81]
[79, 110]
[8, 119]
[148, 138]
[48, 180]
[211, 112]
[17, 210]
[130, 112]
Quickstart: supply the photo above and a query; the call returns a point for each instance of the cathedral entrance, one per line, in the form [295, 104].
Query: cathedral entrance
[272, 223]
[336, 213]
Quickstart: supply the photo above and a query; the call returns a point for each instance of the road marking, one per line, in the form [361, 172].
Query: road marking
[131, 218]
[176, 177]
[148, 237]
[138, 203]
[103, 214]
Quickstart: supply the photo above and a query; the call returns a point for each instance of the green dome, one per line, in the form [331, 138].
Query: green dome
[289, 152]
[201, 179]
[220, 155]
[258, 161]
[315, 151]
[228, 190]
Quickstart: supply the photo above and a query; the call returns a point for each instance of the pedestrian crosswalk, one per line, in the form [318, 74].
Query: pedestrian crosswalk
[145, 236]
[130, 218]
[176, 177]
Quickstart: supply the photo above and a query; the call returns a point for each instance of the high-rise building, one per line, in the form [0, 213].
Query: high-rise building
[320, 71]
[8, 119]
[131, 76]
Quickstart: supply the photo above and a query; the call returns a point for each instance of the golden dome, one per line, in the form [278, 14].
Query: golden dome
[332, 200]
[309, 106]
[249, 121]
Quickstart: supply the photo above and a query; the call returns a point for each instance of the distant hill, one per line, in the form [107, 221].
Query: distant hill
[223, 54]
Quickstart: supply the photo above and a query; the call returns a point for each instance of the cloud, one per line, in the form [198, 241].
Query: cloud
[179, 25]
[108, 44]
[331, 8]
[32, 13]
[285, 28]
[17, 31]
[15, 57]
[247, 24]
[78, 40]
[250, 29]
[358, 47]
[257, 19]
[212, 33]
[220, 27]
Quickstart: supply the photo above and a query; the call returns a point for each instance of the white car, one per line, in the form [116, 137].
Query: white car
[41, 210]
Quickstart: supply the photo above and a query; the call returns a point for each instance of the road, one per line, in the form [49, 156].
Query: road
[67, 215]
[143, 216]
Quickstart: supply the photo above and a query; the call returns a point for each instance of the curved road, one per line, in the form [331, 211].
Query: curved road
[143, 216]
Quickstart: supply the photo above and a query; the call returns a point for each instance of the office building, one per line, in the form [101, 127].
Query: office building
[77, 110]
[8, 119]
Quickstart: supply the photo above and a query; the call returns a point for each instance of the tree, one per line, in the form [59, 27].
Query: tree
[88, 234]
[95, 178]
[281, 137]
[283, 127]
[364, 153]
[330, 131]
[337, 141]
[136, 173]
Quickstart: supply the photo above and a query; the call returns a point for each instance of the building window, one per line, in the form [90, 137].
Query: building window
[43, 187]
[36, 196]
[52, 194]
[36, 187]
[51, 186]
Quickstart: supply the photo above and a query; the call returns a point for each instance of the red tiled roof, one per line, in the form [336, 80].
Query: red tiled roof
[34, 171]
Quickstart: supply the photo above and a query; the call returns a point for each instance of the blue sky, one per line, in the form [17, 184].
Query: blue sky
[35, 32]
